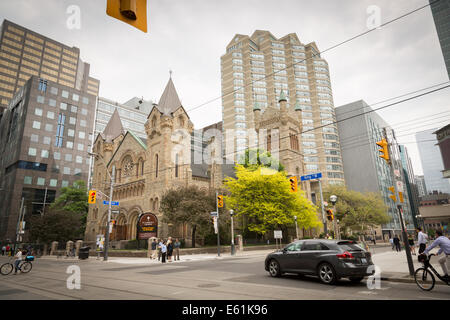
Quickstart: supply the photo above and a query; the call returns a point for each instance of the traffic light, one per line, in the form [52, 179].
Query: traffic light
[220, 201]
[92, 196]
[133, 12]
[400, 196]
[330, 216]
[392, 196]
[293, 182]
[384, 150]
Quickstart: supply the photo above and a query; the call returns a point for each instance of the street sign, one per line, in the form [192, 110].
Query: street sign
[115, 211]
[113, 203]
[311, 176]
[325, 204]
[216, 229]
[278, 234]
[214, 213]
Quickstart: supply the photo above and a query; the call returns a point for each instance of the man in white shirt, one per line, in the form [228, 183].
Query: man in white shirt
[18, 257]
[444, 247]
[422, 240]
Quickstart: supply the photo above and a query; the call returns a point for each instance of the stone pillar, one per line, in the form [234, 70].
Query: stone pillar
[78, 245]
[44, 253]
[54, 248]
[240, 242]
[149, 250]
[69, 246]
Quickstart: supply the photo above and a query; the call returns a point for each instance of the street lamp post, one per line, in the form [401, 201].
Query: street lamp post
[333, 199]
[111, 187]
[232, 233]
[296, 228]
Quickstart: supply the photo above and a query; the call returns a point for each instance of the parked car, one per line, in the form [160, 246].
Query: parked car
[329, 260]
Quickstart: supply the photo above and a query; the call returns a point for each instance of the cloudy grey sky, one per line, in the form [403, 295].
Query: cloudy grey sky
[189, 37]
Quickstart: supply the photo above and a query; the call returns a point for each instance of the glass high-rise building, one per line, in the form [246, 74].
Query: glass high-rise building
[431, 159]
[441, 16]
[255, 69]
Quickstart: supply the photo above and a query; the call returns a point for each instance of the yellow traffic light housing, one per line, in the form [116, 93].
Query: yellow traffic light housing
[330, 216]
[133, 12]
[392, 196]
[400, 196]
[220, 201]
[294, 184]
[92, 196]
[384, 149]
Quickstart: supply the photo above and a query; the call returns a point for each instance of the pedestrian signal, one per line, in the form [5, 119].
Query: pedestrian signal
[220, 201]
[294, 185]
[92, 196]
[133, 12]
[384, 150]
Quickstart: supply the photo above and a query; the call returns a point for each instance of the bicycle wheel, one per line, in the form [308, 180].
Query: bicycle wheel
[26, 267]
[424, 279]
[6, 268]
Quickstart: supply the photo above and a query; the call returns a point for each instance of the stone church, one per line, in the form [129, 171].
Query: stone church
[146, 169]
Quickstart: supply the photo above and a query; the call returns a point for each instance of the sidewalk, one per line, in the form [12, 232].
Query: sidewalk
[394, 265]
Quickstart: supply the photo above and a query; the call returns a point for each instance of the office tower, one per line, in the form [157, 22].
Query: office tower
[431, 159]
[421, 188]
[133, 114]
[411, 187]
[255, 69]
[44, 144]
[441, 15]
[25, 53]
[364, 170]
[443, 137]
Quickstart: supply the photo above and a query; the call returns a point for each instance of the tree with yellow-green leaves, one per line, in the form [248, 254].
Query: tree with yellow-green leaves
[263, 197]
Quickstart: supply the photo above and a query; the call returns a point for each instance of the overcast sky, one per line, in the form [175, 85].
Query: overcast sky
[189, 37]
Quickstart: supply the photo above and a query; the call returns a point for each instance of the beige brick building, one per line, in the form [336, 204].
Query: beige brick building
[146, 169]
[255, 69]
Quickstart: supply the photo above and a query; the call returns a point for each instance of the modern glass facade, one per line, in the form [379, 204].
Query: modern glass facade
[441, 16]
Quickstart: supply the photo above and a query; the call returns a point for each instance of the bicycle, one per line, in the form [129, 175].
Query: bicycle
[424, 277]
[25, 266]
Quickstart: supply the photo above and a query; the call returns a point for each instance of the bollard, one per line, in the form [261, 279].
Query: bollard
[54, 248]
[78, 245]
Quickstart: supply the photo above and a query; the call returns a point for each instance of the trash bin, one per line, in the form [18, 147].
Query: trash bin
[83, 252]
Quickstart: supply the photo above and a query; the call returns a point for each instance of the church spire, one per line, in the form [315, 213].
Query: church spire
[114, 127]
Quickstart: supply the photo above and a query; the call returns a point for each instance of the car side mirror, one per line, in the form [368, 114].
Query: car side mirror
[284, 250]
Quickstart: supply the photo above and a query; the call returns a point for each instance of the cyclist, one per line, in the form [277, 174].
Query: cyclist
[444, 245]
[18, 256]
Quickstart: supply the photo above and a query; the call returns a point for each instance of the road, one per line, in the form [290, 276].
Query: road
[226, 278]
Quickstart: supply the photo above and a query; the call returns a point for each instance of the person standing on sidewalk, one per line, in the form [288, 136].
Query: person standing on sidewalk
[3, 250]
[177, 246]
[391, 240]
[411, 244]
[153, 253]
[163, 252]
[169, 249]
[397, 243]
[422, 240]
[160, 243]
[444, 246]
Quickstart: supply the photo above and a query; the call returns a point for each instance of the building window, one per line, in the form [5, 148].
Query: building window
[48, 127]
[66, 170]
[40, 99]
[60, 130]
[52, 102]
[69, 145]
[27, 180]
[32, 151]
[34, 138]
[56, 155]
[176, 166]
[81, 134]
[40, 181]
[42, 85]
[63, 106]
[72, 120]
[71, 133]
[53, 182]
[53, 90]
[64, 184]
[65, 94]
[80, 147]
[44, 153]
[75, 97]
[38, 112]
[156, 165]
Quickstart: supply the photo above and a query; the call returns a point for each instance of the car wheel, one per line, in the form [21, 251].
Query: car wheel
[356, 279]
[274, 268]
[326, 273]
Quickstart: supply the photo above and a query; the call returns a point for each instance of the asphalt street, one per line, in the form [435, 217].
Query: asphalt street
[225, 278]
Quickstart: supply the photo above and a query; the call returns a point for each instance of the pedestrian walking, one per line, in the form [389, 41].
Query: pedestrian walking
[3, 250]
[391, 240]
[8, 248]
[422, 240]
[397, 244]
[160, 243]
[176, 247]
[154, 253]
[411, 244]
[163, 252]
[169, 249]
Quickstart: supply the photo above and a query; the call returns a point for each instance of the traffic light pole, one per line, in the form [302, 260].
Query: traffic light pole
[218, 236]
[108, 223]
[400, 213]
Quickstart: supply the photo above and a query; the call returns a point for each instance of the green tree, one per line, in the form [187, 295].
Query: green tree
[189, 205]
[56, 225]
[264, 198]
[73, 199]
[255, 158]
[358, 211]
